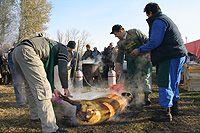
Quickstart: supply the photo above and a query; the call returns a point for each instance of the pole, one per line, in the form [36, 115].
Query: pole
[73, 79]
[77, 56]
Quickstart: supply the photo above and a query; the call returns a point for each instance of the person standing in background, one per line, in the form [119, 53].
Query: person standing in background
[96, 73]
[168, 54]
[96, 54]
[71, 45]
[88, 53]
[17, 80]
[115, 53]
[5, 70]
[107, 59]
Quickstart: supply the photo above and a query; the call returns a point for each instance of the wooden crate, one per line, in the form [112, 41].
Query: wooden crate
[192, 77]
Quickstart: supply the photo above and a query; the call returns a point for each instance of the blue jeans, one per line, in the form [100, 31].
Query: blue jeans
[17, 81]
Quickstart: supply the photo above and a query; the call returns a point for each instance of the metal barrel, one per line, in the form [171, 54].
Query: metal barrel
[111, 77]
[89, 70]
[78, 79]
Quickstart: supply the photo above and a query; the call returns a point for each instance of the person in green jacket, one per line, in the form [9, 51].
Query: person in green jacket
[138, 67]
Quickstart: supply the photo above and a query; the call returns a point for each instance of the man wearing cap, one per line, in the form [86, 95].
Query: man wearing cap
[35, 59]
[95, 75]
[138, 67]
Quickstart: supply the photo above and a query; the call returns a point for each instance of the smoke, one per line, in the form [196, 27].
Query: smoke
[63, 108]
[137, 83]
[88, 61]
[92, 61]
[134, 85]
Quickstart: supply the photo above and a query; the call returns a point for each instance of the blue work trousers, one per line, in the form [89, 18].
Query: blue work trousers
[170, 93]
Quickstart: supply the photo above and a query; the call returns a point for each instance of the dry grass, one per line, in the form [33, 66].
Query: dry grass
[14, 119]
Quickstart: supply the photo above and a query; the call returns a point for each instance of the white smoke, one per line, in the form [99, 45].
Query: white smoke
[66, 109]
[82, 93]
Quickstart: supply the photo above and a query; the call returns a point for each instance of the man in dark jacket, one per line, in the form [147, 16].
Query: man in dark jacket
[88, 53]
[107, 59]
[168, 54]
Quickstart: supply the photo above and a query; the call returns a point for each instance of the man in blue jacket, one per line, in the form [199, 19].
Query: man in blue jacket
[168, 55]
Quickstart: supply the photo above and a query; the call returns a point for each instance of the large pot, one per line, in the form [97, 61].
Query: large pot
[89, 71]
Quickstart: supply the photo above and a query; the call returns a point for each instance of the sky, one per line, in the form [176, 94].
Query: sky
[97, 17]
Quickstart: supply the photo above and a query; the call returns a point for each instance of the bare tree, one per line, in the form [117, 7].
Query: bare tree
[34, 15]
[60, 36]
[71, 35]
[75, 35]
[67, 36]
[83, 40]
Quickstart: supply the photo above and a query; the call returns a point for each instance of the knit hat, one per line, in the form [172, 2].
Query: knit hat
[71, 44]
[88, 46]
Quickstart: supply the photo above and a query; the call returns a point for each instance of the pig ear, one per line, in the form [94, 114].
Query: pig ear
[129, 96]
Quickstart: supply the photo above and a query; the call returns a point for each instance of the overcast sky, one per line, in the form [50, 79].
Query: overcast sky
[98, 16]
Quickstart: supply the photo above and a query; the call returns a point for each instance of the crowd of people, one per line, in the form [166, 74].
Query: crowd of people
[34, 59]
[5, 74]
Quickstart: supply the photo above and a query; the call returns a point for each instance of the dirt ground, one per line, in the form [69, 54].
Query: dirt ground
[136, 119]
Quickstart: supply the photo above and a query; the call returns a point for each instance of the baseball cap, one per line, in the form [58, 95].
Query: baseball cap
[95, 48]
[116, 28]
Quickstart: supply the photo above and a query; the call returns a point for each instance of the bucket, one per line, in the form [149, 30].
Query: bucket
[116, 88]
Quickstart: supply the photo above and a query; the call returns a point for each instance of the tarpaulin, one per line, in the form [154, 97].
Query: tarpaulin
[194, 47]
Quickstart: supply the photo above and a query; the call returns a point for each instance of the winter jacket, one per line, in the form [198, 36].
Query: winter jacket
[51, 53]
[172, 45]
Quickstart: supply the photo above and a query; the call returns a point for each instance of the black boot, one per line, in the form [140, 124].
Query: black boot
[147, 98]
[162, 116]
[174, 108]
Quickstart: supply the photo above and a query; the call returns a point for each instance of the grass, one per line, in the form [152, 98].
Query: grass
[14, 119]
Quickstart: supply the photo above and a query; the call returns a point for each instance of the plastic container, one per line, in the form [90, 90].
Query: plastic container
[57, 100]
[116, 88]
